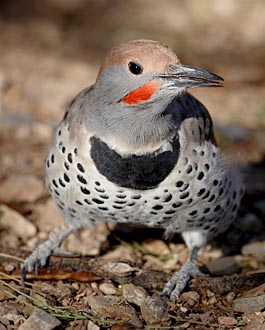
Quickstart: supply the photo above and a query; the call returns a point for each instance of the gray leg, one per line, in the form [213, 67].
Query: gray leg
[40, 255]
[177, 283]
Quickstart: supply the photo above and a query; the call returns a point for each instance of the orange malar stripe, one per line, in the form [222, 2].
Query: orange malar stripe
[141, 94]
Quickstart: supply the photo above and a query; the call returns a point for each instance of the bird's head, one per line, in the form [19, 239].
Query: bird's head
[137, 81]
[137, 71]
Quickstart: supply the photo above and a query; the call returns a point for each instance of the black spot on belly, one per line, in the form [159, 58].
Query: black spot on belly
[189, 169]
[84, 190]
[117, 207]
[176, 205]
[100, 190]
[200, 176]
[120, 202]
[103, 208]
[167, 198]
[207, 194]
[157, 207]
[80, 167]
[121, 196]
[170, 212]
[98, 201]
[66, 178]
[61, 183]
[54, 183]
[70, 158]
[193, 213]
[104, 196]
[184, 195]
[136, 196]
[137, 172]
[81, 179]
[201, 191]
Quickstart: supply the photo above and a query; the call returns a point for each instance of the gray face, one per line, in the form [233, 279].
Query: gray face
[135, 124]
[116, 81]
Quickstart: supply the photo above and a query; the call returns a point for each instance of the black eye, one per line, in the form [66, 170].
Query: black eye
[135, 68]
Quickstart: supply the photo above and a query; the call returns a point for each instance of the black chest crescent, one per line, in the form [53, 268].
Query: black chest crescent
[136, 172]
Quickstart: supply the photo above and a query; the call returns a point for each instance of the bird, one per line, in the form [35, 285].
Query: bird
[137, 148]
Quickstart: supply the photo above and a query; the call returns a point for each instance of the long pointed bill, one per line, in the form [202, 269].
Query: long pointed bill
[188, 76]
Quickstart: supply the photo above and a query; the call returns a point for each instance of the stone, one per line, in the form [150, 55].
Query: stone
[13, 220]
[227, 320]
[255, 249]
[134, 294]
[249, 304]
[153, 310]
[223, 266]
[114, 308]
[107, 288]
[40, 320]
[21, 188]
[191, 297]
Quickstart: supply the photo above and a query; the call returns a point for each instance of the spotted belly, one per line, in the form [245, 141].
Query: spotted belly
[200, 193]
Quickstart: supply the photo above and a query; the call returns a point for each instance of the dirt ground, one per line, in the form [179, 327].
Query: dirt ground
[49, 51]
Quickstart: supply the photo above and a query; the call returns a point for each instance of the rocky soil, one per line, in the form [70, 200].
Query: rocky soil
[49, 51]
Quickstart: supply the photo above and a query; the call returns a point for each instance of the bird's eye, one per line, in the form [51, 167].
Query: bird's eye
[135, 68]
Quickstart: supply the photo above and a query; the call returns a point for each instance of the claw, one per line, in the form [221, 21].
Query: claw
[174, 287]
[40, 256]
[36, 268]
[23, 276]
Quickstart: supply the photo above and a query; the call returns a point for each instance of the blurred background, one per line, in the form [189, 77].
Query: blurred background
[51, 49]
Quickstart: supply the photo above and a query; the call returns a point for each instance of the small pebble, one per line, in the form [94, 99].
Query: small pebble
[8, 267]
[223, 266]
[230, 297]
[92, 326]
[212, 301]
[209, 293]
[107, 288]
[75, 285]
[153, 310]
[255, 249]
[134, 294]
[249, 304]
[191, 297]
[227, 320]
[40, 319]
[14, 221]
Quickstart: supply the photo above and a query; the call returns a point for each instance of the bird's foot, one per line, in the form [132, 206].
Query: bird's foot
[39, 257]
[179, 280]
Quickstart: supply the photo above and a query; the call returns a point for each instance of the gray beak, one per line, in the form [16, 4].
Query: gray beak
[188, 76]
